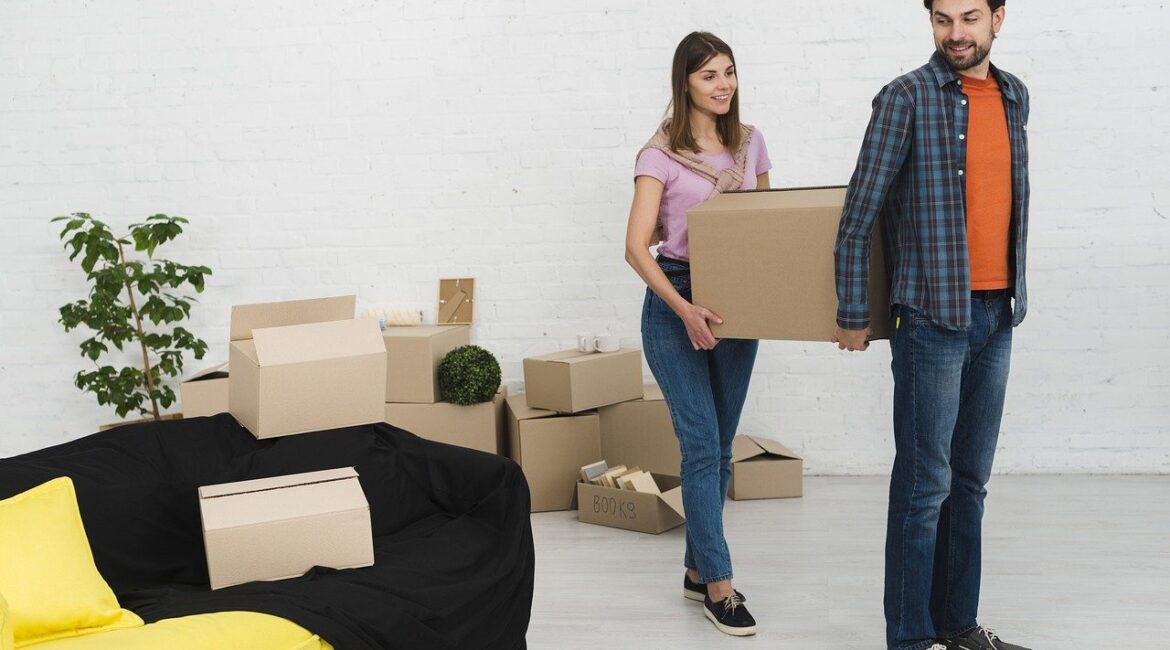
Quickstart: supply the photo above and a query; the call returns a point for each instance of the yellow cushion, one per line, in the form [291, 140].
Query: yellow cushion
[47, 571]
[5, 625]
[219, 631]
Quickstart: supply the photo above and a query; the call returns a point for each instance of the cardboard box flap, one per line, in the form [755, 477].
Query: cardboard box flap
[518, 404]
[276, 482]
[674, 499]
[317, 341]
[746, 447]
[562, 355]
[573, 356]
[246, 318]
[214, 372]
[289, 498]
[773, 199]
[418, 331]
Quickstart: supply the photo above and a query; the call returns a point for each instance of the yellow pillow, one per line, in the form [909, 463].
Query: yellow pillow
[47, 571]
[5, 625]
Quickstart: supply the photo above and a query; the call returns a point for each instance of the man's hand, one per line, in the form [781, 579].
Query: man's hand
[852, 340]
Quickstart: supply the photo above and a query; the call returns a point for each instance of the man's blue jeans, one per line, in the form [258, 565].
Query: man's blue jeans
[705, 392]
[948, 398]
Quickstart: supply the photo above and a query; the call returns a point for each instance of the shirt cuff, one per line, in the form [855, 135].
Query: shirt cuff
[853, 316]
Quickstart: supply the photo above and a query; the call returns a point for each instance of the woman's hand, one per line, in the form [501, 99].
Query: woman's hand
[696, 320]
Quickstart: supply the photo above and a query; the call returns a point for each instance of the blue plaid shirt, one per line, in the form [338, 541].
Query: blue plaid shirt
[910, 173]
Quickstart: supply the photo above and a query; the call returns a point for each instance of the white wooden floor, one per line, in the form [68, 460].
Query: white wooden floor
[1069, 562]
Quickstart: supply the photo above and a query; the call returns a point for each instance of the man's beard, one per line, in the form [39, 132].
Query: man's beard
[964, 63]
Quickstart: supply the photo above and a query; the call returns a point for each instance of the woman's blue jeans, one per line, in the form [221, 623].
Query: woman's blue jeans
[705, 392]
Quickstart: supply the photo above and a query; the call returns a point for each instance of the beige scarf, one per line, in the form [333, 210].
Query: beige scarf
[728, 179]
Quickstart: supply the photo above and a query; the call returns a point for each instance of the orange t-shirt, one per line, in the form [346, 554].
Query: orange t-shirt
[989, 185]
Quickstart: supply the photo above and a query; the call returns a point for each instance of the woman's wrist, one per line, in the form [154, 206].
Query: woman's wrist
[678, 304]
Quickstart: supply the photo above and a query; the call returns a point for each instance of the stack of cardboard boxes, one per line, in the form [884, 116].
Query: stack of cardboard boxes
[554, 429]
[296, 367]
[413, 401]
[578, 406]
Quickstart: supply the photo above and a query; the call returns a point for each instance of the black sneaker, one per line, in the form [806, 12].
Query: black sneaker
[981, 638]
[730, 616]
[697, 591]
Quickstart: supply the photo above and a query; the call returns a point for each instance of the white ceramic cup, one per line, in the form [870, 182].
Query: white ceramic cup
[586, 342]
[607, 343]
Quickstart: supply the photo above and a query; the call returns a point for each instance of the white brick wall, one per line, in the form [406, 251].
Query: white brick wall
[374, 146]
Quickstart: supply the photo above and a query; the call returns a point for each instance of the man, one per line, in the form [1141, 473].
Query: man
[944, 163]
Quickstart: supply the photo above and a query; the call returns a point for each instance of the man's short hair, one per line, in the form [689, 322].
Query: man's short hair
[994, 4]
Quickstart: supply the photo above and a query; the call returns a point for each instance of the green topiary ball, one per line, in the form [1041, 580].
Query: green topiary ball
[469, 375]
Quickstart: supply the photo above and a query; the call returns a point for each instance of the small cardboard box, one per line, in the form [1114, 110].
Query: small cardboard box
[280, 527]
[551, 449]
[479, 426]
[639, 432]
[570, 381]
[412, 359]
[644, 512]
[763, 261]
[205, 392]
[305, 365]
[762, 468]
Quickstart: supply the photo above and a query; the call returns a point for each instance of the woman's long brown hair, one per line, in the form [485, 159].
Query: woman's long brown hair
[692, 53]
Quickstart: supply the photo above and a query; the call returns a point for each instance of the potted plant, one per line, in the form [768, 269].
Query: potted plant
[469, 375]
[131, 302]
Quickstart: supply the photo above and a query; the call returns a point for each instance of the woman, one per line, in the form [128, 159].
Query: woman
[699, 151]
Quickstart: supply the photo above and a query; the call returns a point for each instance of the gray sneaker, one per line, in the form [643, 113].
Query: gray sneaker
[981, 638]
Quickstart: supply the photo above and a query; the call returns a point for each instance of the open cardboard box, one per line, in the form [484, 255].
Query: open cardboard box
[570, 381]
[205, 392]
[644, 512]
[305, 365]
[762, 468]
[280, 527]
[763, 261]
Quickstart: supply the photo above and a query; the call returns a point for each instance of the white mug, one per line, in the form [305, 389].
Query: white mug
[607, 343]
[586, 342]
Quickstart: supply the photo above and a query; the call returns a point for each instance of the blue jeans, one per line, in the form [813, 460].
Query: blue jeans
[704, 391]
[948, 398]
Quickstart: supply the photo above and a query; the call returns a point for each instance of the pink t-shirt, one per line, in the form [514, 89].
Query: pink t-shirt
[685, 189]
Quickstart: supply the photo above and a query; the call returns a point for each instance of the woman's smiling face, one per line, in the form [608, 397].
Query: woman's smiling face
[712, 86]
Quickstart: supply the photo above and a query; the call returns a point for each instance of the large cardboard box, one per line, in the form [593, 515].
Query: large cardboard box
[412, 359]
[763, 261]
[644, 512]
[205, 392]
[280, 527]
[551, 448]
[305, 365]
[479, 426]
[640, 433]
[571, 381]
[762, 468]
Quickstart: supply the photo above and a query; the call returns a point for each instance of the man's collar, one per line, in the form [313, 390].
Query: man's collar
[944, 74]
